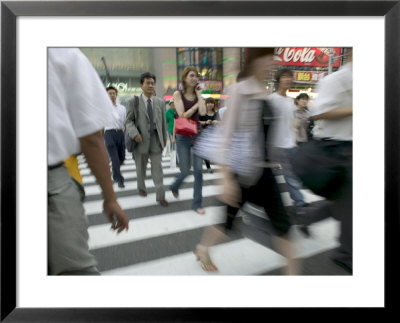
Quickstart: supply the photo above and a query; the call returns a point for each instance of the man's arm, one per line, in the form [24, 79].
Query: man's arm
[96, 156]
[335, 114]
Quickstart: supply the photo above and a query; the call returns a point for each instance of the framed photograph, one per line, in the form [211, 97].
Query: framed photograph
[29, 28]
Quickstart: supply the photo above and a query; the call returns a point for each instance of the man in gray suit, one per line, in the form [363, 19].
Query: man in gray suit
[150, 134]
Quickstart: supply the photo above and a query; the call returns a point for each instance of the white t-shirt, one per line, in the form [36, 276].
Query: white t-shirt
[335, 91]
[78, 104]
[119, 118]
[282, 132]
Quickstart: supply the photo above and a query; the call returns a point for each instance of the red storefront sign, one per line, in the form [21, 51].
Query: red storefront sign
[306, 56]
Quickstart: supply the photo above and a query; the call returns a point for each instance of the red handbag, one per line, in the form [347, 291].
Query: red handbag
[185, 127]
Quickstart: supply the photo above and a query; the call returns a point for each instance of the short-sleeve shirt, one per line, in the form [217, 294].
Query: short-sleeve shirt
[170, 116]
[282, 135]
[335, 91]
[78, 104]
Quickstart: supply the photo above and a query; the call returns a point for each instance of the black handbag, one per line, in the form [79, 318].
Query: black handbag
[130, 143]
[319, 166]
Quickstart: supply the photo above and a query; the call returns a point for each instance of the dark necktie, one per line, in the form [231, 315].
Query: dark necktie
[150, 113]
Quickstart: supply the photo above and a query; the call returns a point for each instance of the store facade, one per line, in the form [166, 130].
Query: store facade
[309, 66]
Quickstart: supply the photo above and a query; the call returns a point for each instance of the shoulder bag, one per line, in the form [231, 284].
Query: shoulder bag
[130, 143]
[185, 127]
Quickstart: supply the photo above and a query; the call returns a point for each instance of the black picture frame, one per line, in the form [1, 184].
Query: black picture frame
[10, 10]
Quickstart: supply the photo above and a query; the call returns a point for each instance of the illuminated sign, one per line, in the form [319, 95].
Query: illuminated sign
[308, 77]
[306, 56]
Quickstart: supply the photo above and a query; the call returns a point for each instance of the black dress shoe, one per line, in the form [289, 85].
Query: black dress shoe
[163, 202]
[121, 184]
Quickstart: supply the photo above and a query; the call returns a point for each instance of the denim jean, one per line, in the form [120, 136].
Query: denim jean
[184, 146]
[294, 185]
[171, 145]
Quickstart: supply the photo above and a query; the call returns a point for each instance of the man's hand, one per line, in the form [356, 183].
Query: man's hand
[138, 138]
[116, 216]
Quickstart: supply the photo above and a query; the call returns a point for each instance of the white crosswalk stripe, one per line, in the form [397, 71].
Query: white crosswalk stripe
[170, 229]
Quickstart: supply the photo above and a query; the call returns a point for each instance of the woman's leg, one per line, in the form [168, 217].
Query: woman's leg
[216, 234]
[198, 182]
[273, 206]
[183, 144]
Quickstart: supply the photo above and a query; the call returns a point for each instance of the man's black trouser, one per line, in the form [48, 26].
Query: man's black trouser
[115, 144]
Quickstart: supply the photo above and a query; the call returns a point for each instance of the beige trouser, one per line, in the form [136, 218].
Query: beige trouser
[68, 250]
[155, 156]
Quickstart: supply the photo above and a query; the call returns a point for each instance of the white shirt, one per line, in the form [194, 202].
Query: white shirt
[335, 91]
[78, 104]
[119, 117]
[282, 132]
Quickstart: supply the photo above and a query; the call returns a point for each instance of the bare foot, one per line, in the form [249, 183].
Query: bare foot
[205, 261]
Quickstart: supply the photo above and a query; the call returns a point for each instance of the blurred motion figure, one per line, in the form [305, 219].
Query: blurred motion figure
[249, 113]
[78, 110]
[333, 111]
[283, 138]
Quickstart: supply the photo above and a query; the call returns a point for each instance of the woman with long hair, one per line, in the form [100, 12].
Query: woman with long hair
[189, 104]
[249, 115]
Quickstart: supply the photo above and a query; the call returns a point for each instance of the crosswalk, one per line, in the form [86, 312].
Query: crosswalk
[161, 240]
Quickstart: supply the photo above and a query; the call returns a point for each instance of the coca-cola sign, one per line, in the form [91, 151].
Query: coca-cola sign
[306, 56]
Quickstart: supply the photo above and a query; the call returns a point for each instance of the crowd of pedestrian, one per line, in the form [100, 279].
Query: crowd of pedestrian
[259, 132]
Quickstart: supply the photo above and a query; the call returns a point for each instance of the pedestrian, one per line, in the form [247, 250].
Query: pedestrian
[150, 136]
[333, 111]
[170, 115]
[283, 138]
[301, 118]
[210, 118]
[249, 113]
[189, 104]
[114, 137]
[78, 110]
[222, 110]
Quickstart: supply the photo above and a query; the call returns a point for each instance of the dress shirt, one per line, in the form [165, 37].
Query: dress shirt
[119, 118]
